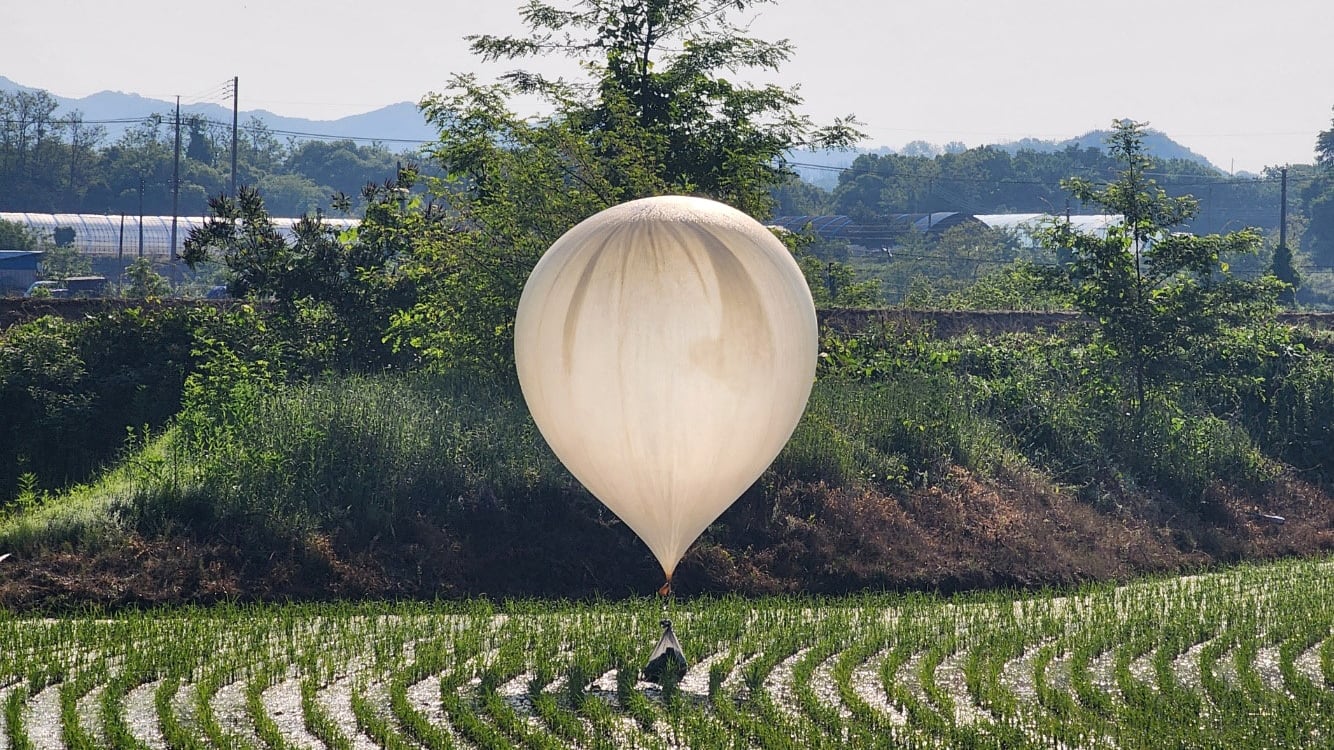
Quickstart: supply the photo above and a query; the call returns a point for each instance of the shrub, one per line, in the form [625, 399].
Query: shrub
[350, 454]
[1296, 422]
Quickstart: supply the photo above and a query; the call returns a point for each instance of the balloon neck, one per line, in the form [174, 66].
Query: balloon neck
[666, 590]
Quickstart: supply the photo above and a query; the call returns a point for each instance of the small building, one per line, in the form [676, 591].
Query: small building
[18, 270]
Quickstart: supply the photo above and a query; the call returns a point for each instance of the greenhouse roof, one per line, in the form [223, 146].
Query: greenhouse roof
[102, 234]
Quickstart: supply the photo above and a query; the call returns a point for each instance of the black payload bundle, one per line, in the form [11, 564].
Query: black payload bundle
[666, 655]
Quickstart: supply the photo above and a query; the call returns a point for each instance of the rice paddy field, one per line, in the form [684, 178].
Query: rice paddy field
[1237, 658]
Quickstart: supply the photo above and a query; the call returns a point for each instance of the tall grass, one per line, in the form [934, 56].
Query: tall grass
[355, 452]
[365, 453]
[902, 431]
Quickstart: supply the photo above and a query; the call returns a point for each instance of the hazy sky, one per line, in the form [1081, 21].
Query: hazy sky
[1246, 84]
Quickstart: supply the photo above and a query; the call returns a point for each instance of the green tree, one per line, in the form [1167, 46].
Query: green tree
[32, 158]
[931, 269]
[241, 235]
[15, 236]
[1285, 271]
[796, 197]
[834, 283]
[144, 282]
[1318, 197]
[60, 262]
[341, 166]
[1160, 298]
[335, 291]
[291, 195]
[1020, 285]
[657, 96]
[654, 116]
[200, 145]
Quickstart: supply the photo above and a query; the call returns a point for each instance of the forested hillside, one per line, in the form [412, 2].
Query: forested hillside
[61, 164]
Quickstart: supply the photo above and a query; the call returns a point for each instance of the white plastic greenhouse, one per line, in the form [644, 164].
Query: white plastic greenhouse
[117, 235]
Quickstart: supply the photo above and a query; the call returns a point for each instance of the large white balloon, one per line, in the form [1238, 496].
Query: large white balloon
[666, 348]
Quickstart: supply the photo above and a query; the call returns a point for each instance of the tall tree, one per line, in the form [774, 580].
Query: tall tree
[1318, 239]
[655, 115]
[656, 92]
[1160, 297]
[343, 284]
[1285, 270]
[30, 150]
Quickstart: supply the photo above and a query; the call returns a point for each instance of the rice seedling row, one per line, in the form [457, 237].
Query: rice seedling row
[1240, 657]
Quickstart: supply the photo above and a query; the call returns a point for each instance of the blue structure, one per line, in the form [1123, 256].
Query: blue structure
[18, 269]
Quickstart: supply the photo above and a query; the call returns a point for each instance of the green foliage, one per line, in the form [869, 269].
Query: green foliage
[1318, 202]
[144, 282]
[1021, 285]
[356, 456]
[334, 293]
[1158, 296]
[69, 390]
[15, 236]
[1295, 422]
[60, 262]
[833, 283]
[514, 188]
[42, 389]
[893, 408]
[1047, 401]
[908, 431]
[240, 234]
[968, 266]
[63, 236]
[658, 100]
[796, 197]
[655, 117]
[1283, 269]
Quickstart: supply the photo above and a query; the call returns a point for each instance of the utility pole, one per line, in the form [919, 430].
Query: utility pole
[236, 84]
[141, 216]
[176, 179]
[1283, 210]
[1282, 266]
[73, 151]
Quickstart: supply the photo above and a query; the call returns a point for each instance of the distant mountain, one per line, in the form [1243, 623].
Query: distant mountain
[1156, 143]
[398, 126]
[401, 126]
[821, 168]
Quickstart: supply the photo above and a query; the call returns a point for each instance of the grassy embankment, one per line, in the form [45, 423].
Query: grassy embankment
[921, 463]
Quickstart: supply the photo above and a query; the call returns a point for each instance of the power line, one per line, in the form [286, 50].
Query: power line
[1180, 179]
[219, 123]
[213, 94]
[72, 120]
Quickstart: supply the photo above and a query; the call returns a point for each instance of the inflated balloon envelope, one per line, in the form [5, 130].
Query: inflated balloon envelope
[666, 349]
